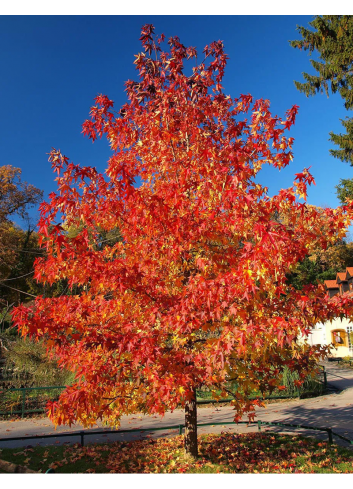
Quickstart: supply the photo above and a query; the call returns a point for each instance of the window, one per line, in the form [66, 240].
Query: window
[339, 337]
[350, 338]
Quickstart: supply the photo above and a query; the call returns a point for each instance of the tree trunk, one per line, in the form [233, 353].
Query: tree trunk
[191, 426]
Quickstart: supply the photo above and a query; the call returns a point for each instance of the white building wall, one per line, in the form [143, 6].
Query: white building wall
[317, 337]
[322, 334]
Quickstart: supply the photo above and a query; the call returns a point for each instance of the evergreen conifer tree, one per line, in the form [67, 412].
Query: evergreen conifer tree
[332, 40]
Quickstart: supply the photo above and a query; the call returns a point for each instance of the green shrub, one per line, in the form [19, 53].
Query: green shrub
[27, 365]
[310, 385]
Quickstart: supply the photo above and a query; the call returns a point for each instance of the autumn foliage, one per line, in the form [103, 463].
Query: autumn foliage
[16, 196]
[195, 294]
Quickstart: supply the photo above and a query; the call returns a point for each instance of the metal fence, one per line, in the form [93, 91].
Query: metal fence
[179, 428]
[314, 387]
[29, 400]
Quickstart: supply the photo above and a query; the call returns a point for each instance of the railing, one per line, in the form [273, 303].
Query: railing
[324, 373]
[180, 428]
[17, 401]
[28, 400]
[341, 360]
[289, 395]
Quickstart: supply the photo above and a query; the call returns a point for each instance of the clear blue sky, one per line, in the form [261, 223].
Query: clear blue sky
[53, 67]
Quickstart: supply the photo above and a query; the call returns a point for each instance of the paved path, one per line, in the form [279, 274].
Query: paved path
[334, 411]
[338, 376]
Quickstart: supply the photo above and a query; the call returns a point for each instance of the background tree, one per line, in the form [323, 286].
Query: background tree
[16, 263]
[335, 258]
[332, 40]
[344, 190]
[16, 196]
[16, 257]
[27, 365]
[18, 249]
[25, 360]
[321, 265]
[195, 293]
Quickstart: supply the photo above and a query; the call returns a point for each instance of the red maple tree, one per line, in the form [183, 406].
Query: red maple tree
[195, 293]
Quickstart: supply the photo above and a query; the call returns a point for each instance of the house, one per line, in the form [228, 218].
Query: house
[339, 332]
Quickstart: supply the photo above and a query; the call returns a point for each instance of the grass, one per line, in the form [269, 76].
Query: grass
[224, 453]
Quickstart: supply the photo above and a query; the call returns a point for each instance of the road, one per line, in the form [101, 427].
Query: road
[330, 411]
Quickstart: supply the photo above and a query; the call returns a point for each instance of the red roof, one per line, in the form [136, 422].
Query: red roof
[331, 284]
[341, 277]
[349, 272]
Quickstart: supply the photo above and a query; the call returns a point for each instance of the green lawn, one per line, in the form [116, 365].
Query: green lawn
[225, 453]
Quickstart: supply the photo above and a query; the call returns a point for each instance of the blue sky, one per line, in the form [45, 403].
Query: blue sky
[53, 67]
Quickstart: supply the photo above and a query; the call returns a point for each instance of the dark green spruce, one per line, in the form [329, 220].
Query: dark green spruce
[331, 40]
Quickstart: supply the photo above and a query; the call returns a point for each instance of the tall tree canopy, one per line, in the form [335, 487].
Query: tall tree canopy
[15, 195]
[19, 250]
[16, 259]
[332, 41]
[321, 265]
[195, 293]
